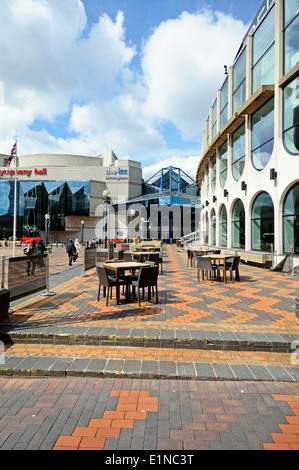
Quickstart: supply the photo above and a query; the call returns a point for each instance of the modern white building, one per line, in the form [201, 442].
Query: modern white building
[248, 174]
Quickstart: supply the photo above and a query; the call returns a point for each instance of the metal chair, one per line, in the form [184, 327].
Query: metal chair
[206, 265]
[148, 277]
[231, 267]
[108, 282]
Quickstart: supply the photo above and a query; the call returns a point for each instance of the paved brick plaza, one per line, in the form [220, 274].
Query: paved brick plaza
[211, 366]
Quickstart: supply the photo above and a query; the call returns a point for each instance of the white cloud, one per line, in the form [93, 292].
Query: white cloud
[183, 67]
[187, 164]
[51, 68]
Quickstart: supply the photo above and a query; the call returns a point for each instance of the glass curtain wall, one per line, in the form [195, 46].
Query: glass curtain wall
[223, 227]
[224, 104]
[291, 117]
[239, 81]
[223, 165]
[238, 155]
[263, 222]
[291, 34]
[291, 220]
[238, 225]
[213, 168]
[214, 122]
[262, 135]
[263, 59]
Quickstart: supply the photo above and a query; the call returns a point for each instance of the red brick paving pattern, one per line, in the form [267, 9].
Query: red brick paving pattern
[132, 405]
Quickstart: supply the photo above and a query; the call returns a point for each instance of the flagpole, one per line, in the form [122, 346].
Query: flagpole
[15, 206]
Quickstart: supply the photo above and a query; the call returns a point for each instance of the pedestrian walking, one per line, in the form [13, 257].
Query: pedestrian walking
[70, 250]
[78, 249]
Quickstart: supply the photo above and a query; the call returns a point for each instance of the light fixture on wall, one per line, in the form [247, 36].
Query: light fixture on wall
[243, 186]
[273, 174]
[225, 192]
[214, 198]
[225, 70]
[207, 203]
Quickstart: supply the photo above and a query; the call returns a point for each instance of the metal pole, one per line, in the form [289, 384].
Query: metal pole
[15, 207]
[2, 271]
[48, 293]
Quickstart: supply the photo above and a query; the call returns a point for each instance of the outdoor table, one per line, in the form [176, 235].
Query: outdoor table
[220, 258]
[202, 249]
[122, 266]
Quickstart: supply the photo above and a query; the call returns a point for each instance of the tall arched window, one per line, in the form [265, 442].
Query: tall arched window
[262, 136]
[262, 222]
[223, 227]
[238, 225]
[213, 226]
[291, 220]
[223, 164]
[238, 160]
[291, 116]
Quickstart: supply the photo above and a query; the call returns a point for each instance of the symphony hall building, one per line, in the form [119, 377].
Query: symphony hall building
[67, 187]
[248, 173]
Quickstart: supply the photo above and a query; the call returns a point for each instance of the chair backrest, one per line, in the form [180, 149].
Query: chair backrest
[127, 256]
[150, 263]
[154, 257]
[235, 263]
[204, 263]
[148, 276]
[102, 275]
[217, 252]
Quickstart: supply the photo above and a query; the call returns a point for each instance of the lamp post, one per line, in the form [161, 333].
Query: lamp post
[106, 202]
[82, 231]
[132, 214]
[47, 228]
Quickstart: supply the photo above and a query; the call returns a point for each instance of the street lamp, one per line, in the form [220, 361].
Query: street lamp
[132, 214]
[106, 202]
[47, 228]
[82, 230]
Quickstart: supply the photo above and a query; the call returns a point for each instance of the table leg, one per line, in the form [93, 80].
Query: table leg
[117, 287]
[224, 270]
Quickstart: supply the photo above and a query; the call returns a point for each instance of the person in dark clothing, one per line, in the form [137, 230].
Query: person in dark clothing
[70, 250]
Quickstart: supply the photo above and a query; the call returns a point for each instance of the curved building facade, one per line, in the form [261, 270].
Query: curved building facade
[68, 188]
[248, 174]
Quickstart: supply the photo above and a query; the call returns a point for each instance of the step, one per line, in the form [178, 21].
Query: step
[43, 360]
[151, 337]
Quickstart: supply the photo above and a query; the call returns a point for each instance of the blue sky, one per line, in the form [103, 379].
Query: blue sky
[134, 76]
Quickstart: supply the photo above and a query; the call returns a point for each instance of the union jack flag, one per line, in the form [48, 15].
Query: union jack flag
[13, 153]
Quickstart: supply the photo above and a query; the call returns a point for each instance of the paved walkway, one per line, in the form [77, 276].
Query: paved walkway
[212, 365]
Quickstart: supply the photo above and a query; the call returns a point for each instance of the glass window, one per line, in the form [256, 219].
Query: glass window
[223, 227]
[238, 225]
[291, 220]
[239, 78]
[213, 165]
[263, 222]
[207, 179]
[224, 103]
[214, 123]
[264, 71]
[262, 136]
[291, 116]
[238, 157]
[223, 165]
[208, 131]
[291, 34]
[213, 227]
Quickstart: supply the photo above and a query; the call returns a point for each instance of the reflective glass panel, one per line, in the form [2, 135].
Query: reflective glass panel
[263, 72]
[291, 116]
[264, 36]
[291, 221]
[262, 135]
[238, 225]
[223, 165]
[291, 41]
[238, 160]
[223, 227]
[263, 223]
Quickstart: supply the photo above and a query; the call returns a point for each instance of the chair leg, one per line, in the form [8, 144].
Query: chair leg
[138, 294]
[156, 294]
[99, 292]
[107, 297]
